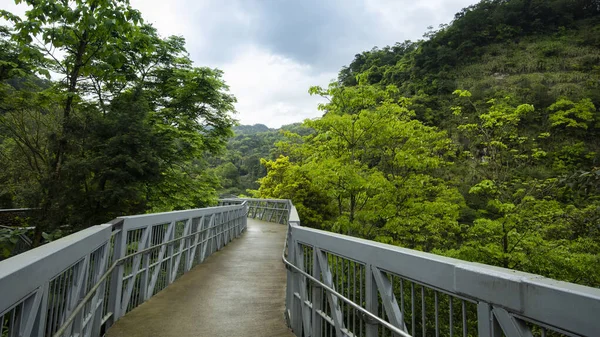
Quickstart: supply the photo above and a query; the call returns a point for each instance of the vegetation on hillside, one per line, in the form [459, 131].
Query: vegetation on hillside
[239, 168]
[479, 142]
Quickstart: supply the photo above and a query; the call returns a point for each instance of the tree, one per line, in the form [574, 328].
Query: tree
[83, 32]
[521, 223]
[286, 180]
[132, 118]
[376, 164]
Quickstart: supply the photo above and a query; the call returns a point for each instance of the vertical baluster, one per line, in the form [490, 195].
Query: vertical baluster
[58, 296]
[423, 314]
[12, 330]
[340, 287]
[402, 299]
[347, 273]
[412, 308]
[361, 270]
[330, 310]
[65, 297]
[317, 298]
[21, 319]
[437, 324]
[451, 316]
[464, 318]
[52, 297]
[354, 297]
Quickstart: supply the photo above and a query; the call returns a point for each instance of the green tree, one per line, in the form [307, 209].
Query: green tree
[521, 223]
[376, 166]
[286, 180]
[127, 128]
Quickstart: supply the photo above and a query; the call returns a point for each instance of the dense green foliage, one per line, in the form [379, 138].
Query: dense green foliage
[240, 167]
[480, 142]
[124, 127]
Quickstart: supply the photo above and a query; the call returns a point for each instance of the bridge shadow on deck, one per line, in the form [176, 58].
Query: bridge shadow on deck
[238, 291]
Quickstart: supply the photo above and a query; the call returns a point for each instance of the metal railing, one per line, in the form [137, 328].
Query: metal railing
[272, 210]
[83, 283]
[339, 285]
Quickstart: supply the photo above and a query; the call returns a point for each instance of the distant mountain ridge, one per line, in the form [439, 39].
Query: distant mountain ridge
[251, 129]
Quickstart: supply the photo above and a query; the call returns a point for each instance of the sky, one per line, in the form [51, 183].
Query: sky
[272, 51]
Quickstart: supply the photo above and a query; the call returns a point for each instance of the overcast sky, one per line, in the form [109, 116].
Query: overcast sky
[272, 51]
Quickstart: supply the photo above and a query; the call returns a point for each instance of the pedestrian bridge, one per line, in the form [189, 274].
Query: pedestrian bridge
[248, 268]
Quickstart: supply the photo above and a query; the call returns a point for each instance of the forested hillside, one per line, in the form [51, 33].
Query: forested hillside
[240, 167]
[101, 116]
[479, 142]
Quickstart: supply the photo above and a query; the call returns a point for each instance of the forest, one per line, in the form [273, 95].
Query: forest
[479, 141]
[100, 116]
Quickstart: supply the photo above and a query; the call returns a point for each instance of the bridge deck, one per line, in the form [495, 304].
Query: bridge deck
[238, 291]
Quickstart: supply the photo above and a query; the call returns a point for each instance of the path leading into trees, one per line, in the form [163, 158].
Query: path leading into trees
[238, 291]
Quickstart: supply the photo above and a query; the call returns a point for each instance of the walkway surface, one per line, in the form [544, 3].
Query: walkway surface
[238, 291]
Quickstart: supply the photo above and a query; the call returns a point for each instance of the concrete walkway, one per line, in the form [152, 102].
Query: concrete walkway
[238, 291]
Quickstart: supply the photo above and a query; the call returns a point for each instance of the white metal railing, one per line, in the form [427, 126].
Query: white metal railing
[272, 210]
[81, 284]
[337, 285]
[344, 286]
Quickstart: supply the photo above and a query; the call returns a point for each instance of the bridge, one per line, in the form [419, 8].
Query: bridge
[249, 268]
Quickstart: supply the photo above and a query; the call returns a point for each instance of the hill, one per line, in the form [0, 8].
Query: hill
[240, 168]
[479, 142]
[535, 51]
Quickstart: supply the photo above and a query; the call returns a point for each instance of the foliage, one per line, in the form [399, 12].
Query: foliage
[9, 239]
[479, 142]
[125, 128]
[239, 168]
[372, 166]
[288, 180]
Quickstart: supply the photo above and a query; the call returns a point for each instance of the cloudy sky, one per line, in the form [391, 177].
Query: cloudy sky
[272, 51]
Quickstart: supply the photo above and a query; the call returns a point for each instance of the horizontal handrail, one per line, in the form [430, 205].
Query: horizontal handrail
[3, 210]
[343, 298]
[85, 299]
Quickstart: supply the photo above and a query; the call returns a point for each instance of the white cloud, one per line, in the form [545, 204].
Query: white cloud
[272, 89]
[401, 20]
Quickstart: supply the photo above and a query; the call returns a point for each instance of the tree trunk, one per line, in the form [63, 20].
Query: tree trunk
[51, 217]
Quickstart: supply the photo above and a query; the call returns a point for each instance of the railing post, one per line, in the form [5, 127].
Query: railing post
[97, 303]
[32, 314]
[146, 266]
[371, 300]
[116, 280]
[40, 323]
[170, 251]
[293, 284]
[487, 325]
[317, 297]
[289, 298]
[245, 218]
[305, 312]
